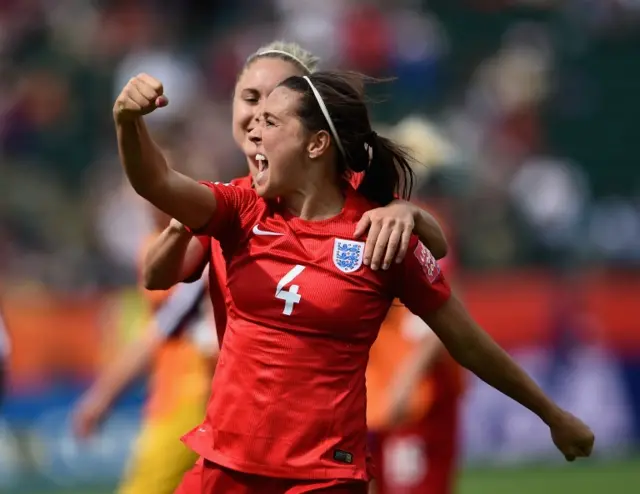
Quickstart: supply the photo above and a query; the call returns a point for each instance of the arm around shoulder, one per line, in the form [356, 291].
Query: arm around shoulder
[175, 256]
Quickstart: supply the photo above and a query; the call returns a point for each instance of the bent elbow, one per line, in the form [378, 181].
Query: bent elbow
[151, 280]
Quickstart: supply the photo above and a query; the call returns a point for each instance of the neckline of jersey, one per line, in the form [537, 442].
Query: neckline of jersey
[348, 200]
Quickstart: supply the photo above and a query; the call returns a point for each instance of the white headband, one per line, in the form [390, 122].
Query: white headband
[285, 54]
[327, 117]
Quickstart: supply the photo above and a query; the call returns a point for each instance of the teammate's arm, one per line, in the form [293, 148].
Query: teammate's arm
[389, 233]
[430, 233]
[175, 256]
[177, 195]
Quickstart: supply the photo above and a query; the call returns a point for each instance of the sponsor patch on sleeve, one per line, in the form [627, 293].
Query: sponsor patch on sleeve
[427, 262]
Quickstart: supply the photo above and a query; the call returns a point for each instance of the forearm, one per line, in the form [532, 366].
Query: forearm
[430, 234]
[130, 364]
[474, 349]
[181, 197]
[163, 264]
[142, 160]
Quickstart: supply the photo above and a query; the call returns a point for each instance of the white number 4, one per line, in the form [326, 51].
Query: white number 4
[289, 296]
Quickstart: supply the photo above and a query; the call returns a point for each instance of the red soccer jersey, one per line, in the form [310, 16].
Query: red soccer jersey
[218, 272]
[290, 396]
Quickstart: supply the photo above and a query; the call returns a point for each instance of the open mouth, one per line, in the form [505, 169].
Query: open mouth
[263, 162]
[263, 167]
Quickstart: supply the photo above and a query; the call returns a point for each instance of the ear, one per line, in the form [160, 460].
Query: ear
[318, 144]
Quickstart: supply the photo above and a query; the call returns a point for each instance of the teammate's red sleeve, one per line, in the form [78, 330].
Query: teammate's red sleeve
[420, 284]
[234, 206]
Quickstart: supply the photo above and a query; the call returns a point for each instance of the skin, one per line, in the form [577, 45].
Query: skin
[310, 190]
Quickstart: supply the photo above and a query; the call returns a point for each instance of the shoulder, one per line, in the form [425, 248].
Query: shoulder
[245, 182]
[356, 205]
[233, 190]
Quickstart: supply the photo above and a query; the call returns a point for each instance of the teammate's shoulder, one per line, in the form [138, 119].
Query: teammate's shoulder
[357, 204]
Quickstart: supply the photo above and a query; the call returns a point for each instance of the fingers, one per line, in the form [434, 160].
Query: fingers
[382, 241]
[144, 89]
[162, 101]
[362, 226]
[151, 82]
[372, 237]
[140, 96]
[404, 244]
[392, 247]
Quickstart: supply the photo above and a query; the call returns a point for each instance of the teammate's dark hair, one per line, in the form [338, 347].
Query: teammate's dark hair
[385, 165]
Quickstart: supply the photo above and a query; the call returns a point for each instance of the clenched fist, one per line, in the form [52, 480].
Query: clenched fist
[142, 95]
[572, 436]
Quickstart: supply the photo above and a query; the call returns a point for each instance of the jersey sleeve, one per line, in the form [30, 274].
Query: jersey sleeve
[235, 207]
[420, 284]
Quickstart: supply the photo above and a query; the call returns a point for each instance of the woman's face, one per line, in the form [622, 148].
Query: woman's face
[283, 145]
[255, 84]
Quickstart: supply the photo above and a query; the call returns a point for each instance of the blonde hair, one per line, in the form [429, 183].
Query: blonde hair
[289, 52]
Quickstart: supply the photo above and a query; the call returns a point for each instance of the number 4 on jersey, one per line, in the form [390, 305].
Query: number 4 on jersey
[289, 296]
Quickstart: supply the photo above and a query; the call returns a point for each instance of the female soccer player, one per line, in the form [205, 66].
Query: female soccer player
[288, 414]
[177, 256]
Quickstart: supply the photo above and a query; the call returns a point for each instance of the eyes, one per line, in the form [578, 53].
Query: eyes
[251, 96]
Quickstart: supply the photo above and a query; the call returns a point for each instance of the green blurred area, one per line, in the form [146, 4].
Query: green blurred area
[621, 477]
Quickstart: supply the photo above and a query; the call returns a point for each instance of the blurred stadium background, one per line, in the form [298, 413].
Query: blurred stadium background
[524, 113]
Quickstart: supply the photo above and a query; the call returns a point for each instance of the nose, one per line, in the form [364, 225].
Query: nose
[255, 134]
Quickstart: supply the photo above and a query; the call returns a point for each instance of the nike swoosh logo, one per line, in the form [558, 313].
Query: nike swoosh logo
[257, 231]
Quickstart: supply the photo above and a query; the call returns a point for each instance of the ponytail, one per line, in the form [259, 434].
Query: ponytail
[334, 102]
[388, 174]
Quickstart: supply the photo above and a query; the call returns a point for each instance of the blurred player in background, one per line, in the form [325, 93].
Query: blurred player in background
[414, 386]
[4, 357]
[181, 346]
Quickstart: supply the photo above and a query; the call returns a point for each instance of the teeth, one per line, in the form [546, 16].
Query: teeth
[262, 161]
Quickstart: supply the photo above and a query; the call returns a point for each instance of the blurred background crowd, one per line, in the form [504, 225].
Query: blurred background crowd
[522, 113]
[530, 103]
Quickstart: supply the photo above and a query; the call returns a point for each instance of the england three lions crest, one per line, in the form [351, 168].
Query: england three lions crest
[347, 255]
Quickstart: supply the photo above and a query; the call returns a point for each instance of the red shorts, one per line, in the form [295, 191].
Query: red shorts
[208, 478]
[421, 458]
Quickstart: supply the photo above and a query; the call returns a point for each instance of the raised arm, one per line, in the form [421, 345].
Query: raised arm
[175, 256]
[148, 172]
